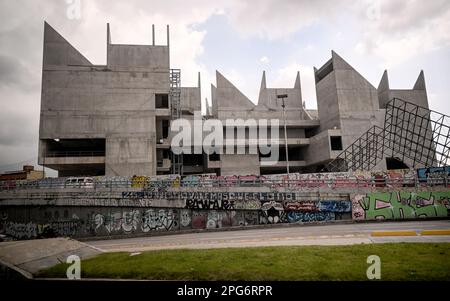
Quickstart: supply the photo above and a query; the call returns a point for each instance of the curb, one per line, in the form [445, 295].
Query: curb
[411, 233]
[436, 232]
[394, 233]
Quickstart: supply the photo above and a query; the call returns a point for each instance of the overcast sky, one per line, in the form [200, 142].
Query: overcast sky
[239, 38]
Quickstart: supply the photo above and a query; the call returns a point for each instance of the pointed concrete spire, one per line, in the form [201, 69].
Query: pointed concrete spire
[263, 81]
[168, 35]
[297, 84]
[213, 100]
[62, 52]
[420, 82]
[339, 62]
[153, 34]
[262, 98]
[208, 108]
[108, 34]
[236, 97]
[384, 82]
[315, 74]
[222, 82]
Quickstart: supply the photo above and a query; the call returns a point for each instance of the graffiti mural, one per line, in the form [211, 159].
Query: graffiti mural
[306, 217]
[32, 230]
[21, 230]
[199, 219]
[219, 219]
[185, 218]
[159, 219]
[434, 175]
[209, 204]
[130, 220]
[400, 205]
[272, 213]
[335, 206]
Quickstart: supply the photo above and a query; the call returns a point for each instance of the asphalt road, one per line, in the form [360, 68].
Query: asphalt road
[338, 234]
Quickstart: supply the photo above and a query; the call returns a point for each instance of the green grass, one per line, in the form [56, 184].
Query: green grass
[402, 261]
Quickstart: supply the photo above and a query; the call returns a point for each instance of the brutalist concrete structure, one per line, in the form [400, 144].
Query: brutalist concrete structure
[115, 119]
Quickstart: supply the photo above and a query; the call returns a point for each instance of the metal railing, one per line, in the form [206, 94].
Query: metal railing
[151, 184]
[75, 154]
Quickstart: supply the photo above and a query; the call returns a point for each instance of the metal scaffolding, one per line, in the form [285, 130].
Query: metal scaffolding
[411, 133]
[175, 110]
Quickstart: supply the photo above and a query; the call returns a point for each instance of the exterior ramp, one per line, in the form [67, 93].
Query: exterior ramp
[412, 134]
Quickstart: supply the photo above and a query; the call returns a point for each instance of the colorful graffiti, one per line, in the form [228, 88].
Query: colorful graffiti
[312, 181]
[306, 217]
[434, 175]
[315, 206]
[211, 210]
[400, 205]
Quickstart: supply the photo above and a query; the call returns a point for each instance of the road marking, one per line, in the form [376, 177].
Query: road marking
[435, 232]
[394, 233]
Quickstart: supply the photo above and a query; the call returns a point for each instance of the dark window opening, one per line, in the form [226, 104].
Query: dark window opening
[395, 163]
[310, 132]
[193, 159]
[214, 157]
[74, 147]
[336, 143]
[165, 129]
[161, 101]
[295, 154]
[324, 71]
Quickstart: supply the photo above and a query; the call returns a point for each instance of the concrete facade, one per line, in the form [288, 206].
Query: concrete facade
[115, 119]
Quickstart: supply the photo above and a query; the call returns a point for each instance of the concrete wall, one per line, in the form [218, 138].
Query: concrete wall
[138, 206]
[139, 212]
[239, 164]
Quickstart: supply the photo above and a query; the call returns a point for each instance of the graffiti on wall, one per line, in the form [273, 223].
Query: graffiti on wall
[272, 213]
[209, 204]
[20, 230]
[306, 217]
[159, 219]
[434, 175]
[400, 205]
[315, 206]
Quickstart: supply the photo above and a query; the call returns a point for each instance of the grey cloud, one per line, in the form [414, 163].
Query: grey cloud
[18, 129]
[14, 73]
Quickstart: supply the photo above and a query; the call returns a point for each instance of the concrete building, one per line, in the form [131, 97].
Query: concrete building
[115, 119]
[27, 173]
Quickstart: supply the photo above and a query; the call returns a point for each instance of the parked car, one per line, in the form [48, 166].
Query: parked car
[79, 182]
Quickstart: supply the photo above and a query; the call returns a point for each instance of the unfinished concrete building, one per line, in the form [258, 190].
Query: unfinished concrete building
[115, 119]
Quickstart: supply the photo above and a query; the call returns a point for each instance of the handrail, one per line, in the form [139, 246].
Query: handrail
[75, 154]
[145, 183]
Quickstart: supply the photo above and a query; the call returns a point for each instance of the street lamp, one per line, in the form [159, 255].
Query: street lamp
[283, 105]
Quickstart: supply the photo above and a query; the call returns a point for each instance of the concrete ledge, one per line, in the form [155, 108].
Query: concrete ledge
[394, 233]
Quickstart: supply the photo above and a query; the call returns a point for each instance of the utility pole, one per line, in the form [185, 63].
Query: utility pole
[283, 105]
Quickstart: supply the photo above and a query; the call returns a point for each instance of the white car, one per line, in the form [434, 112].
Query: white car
[79, 182]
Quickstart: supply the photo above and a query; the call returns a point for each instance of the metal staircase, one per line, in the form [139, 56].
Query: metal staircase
[410, 132]
[175, 110]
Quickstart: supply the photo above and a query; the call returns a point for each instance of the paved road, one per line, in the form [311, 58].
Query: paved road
[339, 234]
